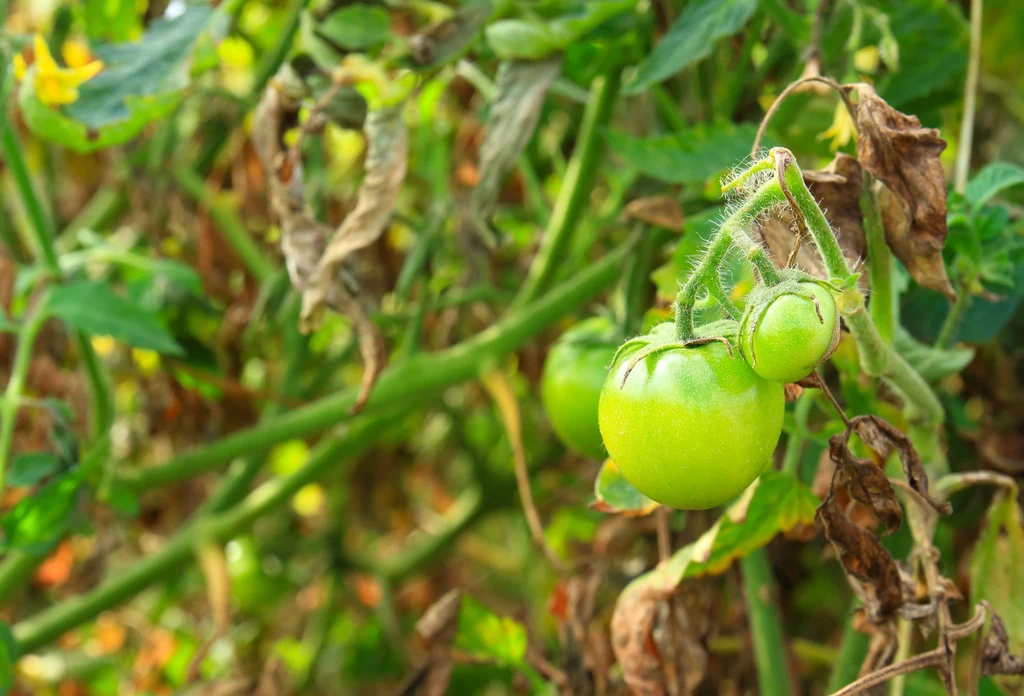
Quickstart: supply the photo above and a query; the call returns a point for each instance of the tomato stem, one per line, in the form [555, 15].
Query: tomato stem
[733, 232]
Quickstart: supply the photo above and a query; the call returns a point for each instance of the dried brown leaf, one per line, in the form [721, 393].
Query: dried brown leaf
[657, 211]
[837, 189]
[633, 623]
[520, 90]
[883, 438]
[905, 157]
[872, 572]
[866, 483]
[436, 629]
[996, 657]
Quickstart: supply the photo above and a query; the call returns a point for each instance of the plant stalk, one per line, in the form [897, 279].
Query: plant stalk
[963, 154]
[765, 625]
[576, 187]
[882, 306]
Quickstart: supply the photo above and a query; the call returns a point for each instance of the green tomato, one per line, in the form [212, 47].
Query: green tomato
[690, 427]
[790, 339]
[574, 373]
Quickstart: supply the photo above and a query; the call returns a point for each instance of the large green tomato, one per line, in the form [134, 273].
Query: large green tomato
[574, 373]
[790, 338]
[690, 427]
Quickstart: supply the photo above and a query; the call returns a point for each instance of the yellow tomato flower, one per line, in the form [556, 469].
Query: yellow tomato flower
[842, 129]
[56, 85]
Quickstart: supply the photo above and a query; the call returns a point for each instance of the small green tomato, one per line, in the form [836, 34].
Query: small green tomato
[791, 336]
[574, 372]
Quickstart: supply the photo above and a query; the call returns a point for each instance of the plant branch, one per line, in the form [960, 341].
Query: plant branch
[576, 187]
[963, 153]
[881, 307]
[765, 625]
[952, 321]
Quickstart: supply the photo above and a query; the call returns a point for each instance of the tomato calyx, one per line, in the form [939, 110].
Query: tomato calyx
[662, 338]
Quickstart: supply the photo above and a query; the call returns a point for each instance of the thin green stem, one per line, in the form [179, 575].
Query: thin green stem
[766, 632]
[668, 109]
[798, 438]
[852, 649]
[576, 187]
[421, 374]
[16, 384]
[231, 226]
[733, 232]
[877, 358]
[956, 314]
[39, 220]
[178, 553]
[963, 154]
[882, 305]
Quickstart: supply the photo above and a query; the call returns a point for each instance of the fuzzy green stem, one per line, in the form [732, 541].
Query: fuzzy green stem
[797, 438]
[733, 232]
[420, 374]
[963, 154]
[877, 358]
[19, 371]
[39, 220]
[882, 305]
[576, 187]
[765, 625]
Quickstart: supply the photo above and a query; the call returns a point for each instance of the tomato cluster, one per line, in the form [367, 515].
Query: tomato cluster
[691, 423]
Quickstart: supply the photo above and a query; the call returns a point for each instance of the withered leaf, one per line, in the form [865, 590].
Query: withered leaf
[442, 42]
[873, 573]
[866, 483]
[436, 629]
[996, 657]
[837, 189]
[905, 157]
[883, 438]
[521, 87]
[658, 211]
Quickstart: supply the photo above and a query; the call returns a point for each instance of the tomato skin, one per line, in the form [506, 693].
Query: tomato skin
[574, 372]
[691, 427]
[790, 340]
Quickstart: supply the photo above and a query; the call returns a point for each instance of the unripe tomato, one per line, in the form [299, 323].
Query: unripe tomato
[690, 427]
[574, 373]
[790, 339]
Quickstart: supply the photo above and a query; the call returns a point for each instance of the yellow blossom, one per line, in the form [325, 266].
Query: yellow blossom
[19, 67]
[75, 53]
[842, 129]
[55, 85]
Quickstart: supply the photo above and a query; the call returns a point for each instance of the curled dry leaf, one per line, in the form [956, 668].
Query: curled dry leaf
[873, 574]
[866, 483]
[883, 438]
[316, 258]
[521, 87]
[837, 189]
[436, 629]
[905, 157]
[443, 41]
[657, 211]
[996, 657]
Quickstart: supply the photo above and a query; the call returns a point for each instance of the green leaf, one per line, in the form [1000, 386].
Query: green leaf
[35, 523]
[93, 308]
[615, 494]
[997, 569]
[691, 38]
[931, 363]
[487, 636]
[534, 39]
[933, 41]
[8, 326]
[775, 503]
[31, 468]
[356, 27]
[994, 178]
[689, 157]
[450, 38]
[140, 83]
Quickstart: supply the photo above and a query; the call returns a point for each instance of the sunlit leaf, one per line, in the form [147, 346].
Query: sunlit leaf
[356, 27]
[93, 308]
[35, 523]
[691, 38]
[615, 494]
[484, 635]
[140, 83]
[534, 39]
